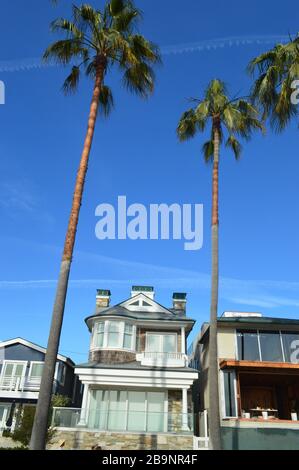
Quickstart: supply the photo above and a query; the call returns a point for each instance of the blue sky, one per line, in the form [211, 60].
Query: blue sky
[136, 153]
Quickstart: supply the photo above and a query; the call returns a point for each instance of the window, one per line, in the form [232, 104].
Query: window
[230, 407]
[13, 369]
[61, 373]
[162, 343]
[265, 345]
[290, 341]
[270, 346]
[248, 347]
[99, 335]
[114, 335]
[36, 370]
[128, 336]
[135, 411]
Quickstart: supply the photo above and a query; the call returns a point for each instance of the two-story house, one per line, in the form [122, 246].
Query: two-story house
[258, 380]
[21, 366]
[137, 381]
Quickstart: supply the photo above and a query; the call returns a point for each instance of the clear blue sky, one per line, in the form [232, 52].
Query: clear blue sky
[136, 153]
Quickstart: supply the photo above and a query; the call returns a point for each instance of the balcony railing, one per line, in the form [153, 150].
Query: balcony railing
[169, 359]
[123, 421]
[19, 384]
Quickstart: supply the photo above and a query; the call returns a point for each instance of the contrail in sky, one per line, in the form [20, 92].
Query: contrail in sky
[206, 45]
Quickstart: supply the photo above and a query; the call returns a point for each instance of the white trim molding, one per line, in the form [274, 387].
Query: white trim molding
[136, 378]
[29, 344]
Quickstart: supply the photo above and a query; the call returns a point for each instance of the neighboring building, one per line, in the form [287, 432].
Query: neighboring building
[137, 381]
[258, 380]
[21, 365]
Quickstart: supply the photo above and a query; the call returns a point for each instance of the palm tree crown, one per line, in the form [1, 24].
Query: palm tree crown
[237, 116]
[105, 38]
[272, 90]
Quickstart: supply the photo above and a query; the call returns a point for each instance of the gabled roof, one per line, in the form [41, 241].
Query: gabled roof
[141, 307]
[142, 303]
[36, 347]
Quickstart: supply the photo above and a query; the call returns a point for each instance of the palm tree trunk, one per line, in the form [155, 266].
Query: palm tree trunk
[214, 414]
[40, 426]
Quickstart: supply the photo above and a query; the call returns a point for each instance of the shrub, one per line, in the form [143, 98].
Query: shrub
[23, 431]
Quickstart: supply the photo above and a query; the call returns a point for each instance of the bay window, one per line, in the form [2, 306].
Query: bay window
[112, 334]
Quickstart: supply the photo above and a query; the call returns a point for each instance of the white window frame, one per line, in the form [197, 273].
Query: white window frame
[161, 334]
[8, 361]
[30, 368]
[120, 345]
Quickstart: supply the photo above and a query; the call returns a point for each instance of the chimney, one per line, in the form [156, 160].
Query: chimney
[103, 298]
[179, 301]
[146, 290]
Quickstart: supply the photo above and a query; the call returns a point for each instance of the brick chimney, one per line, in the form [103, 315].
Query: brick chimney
[179, 301]
[103, 298]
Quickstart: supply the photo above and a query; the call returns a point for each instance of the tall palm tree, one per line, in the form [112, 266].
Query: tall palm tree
[95, 42]
[238, 118]
[276, 71]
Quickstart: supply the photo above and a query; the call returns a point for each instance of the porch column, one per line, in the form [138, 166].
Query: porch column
[84, 411]
[185, 426]
[183, 340]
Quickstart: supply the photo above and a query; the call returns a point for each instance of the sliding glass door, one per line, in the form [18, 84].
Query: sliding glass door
[135, 411]
[155, 412]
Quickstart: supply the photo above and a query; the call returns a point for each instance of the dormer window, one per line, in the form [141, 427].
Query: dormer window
[113, 334]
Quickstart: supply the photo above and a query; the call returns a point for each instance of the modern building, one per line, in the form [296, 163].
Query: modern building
[258, 380]
[137, 382]
[21, 366]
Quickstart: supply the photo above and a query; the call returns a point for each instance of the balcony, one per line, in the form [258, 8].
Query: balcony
[162, 359]
[123, 421]
[19, 384]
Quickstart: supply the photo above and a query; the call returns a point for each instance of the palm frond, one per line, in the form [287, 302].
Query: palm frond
[234, 145]
[106, 101]
[208, 151]
[187, 126]
[139, 79]
[64, 51]
[71, 82]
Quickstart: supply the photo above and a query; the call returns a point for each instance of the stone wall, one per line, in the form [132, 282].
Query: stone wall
[85, 440]
[111, 357]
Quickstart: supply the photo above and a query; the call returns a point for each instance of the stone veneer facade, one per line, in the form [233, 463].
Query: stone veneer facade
[102, 356]
[84, 440]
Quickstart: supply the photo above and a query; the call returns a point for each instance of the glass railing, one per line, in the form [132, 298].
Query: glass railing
[122, 420]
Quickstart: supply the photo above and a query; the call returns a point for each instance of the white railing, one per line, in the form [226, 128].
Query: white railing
[170, 359]
[17, 383]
